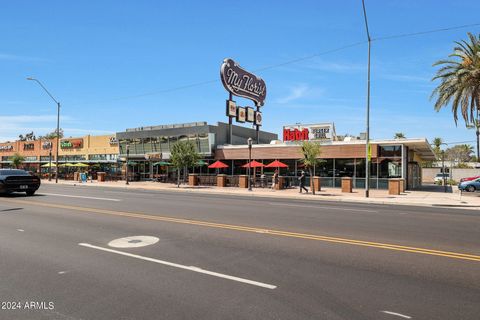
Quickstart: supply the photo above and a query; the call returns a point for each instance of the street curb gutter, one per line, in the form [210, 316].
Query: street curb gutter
[254, 195]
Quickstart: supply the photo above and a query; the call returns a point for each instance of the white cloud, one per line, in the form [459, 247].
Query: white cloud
[12, 126]
[339, 67]
[14, 57]
[296, 93]
[405, 77]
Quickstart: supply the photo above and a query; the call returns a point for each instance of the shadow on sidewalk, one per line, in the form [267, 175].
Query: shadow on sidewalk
[433, 188]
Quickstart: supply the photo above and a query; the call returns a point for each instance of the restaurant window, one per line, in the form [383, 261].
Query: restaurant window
[147, 145]
[6, 158]
[164, 147]
[390, 151]
[122, 145]
[45, 158]
[30, 158]
[324, 168]
[203, 143]
[72, 158]
[136, 146]
[389, 168]
[155, 144]
[171, 141]
[344, 167]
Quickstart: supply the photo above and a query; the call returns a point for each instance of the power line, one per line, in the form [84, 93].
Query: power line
[293, 61]
[405, 35]
[459, 142]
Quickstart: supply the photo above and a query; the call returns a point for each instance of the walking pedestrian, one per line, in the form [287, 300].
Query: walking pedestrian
[302, 182]
[274, 179]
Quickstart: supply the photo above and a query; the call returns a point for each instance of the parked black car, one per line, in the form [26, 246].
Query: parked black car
[14, 180]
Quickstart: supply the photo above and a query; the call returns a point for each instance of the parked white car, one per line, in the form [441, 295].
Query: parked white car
[440, 176]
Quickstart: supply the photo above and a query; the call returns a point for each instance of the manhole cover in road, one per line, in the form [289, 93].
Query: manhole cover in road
[133, 242]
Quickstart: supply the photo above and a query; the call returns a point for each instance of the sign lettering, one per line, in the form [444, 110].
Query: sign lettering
[315, 132]
[242, 83]
[6, 148]
[71, 144]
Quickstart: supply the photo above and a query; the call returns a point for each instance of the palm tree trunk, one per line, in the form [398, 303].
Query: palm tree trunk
[178, 178]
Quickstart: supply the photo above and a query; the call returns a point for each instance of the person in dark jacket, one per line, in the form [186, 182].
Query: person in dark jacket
[302, 182]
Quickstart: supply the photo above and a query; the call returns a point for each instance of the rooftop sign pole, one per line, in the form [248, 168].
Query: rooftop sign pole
[239, 82]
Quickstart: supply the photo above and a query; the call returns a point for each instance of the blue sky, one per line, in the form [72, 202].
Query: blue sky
[112, 64]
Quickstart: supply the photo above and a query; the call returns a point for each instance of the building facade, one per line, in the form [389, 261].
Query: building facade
[389, 159]
[98, 151]
[149, 145]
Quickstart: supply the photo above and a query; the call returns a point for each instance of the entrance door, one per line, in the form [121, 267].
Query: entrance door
[414, 175]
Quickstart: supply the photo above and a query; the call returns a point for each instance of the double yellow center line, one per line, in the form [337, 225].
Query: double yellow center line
[448, 254]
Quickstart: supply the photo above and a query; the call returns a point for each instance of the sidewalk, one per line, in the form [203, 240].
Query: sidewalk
[420, 198]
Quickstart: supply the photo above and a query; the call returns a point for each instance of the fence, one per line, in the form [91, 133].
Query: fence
[428, 174]
[293, 182]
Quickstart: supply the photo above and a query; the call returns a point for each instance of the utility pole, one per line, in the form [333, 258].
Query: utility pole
[367, 133]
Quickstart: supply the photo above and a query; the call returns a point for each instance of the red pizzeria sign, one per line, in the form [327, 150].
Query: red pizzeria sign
[295, 134]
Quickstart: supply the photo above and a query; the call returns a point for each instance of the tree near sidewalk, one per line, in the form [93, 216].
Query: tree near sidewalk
[311, 151]
[437, 144]
[459, 154]
[17, 160]
[183, 155]
[460, 83]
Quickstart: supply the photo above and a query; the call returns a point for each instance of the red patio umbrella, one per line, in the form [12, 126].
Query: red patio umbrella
[253, 164]
[276, 164]
[218, 165]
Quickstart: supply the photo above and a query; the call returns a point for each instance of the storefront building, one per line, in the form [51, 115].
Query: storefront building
[35, 153]
[149, 145]
[98, 152]
[340, 157]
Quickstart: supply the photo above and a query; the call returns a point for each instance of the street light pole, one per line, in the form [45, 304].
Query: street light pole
[58, 124]
[367, 133]
[249, 163]
[50, 163]
[126, 165]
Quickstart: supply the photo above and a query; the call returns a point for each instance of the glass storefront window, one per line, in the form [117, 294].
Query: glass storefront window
[147, 145]
[136, 146]
[104, 157]
[155, 144]
[390, 151]
[325, 168]
[164, 147]
[72, 158]
[344, 167]
[389, 168]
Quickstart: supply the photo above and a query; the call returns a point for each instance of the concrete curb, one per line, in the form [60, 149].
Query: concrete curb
[283, 196]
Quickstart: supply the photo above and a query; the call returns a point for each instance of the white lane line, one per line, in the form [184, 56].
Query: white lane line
[180, 266]
[397, 314]
[81, 197]
[318, 207]
[20, 230]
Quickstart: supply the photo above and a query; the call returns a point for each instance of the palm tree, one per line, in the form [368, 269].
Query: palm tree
[460, 82]
[17, 160]
[437, 143]
[468, 150]
[311, 151]
[399, 135]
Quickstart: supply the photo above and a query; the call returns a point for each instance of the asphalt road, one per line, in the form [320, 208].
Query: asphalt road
[226, 257]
